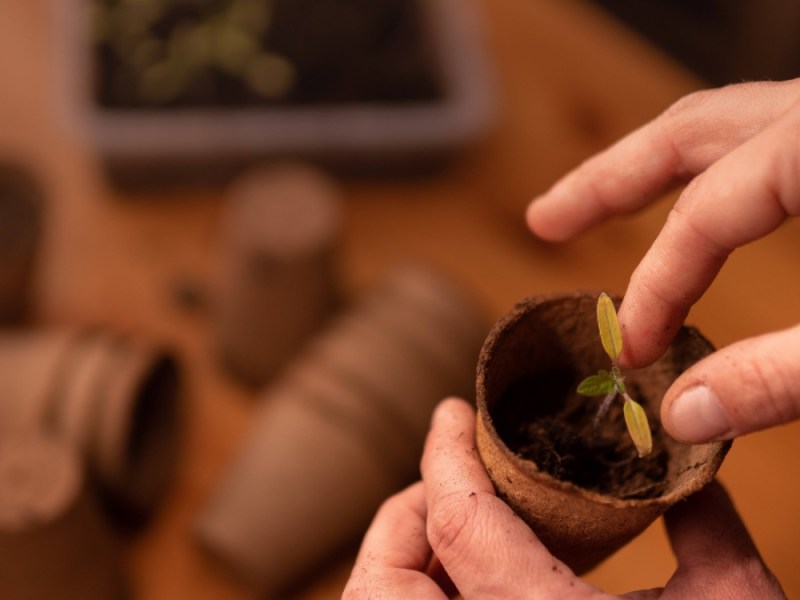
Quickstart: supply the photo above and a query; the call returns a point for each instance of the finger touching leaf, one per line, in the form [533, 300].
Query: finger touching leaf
[610, 332]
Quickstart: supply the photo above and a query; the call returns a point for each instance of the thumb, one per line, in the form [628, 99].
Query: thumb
[750, 385]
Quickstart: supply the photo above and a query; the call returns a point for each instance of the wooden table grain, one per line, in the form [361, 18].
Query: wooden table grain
[569, 81]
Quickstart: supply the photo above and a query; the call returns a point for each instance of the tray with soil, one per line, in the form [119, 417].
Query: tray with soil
[216, 53]
[163, 86]
[581, 486]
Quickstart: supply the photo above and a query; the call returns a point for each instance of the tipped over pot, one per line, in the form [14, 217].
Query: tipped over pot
[112, 397]
[582, 488]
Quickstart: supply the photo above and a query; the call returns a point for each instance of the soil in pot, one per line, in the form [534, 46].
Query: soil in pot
[558, 433]
[585, 493]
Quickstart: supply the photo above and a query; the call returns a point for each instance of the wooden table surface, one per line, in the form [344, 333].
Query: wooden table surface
[569, 81]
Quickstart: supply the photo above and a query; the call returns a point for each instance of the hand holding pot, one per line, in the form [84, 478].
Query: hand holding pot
[450, 533]
[738, 147]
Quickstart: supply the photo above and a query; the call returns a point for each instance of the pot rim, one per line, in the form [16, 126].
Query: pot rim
[717, 450]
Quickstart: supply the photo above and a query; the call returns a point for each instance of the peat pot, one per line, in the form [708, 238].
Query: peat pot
[276, 282]
[582, 489]
[111, 397]
[341, 430]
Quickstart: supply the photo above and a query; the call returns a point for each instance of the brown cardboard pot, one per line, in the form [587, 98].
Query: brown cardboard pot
[528, 371]
[276, 278]
[112, 397]
[342, 429]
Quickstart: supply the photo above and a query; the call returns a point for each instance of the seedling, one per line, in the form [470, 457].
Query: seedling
[612, 384]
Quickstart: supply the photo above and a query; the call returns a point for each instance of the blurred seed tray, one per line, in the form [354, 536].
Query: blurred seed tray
[171, 90]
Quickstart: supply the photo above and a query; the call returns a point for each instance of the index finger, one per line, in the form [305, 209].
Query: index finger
[684, 141]
[742, 197]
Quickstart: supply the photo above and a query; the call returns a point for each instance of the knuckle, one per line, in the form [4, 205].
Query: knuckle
[766, 380]
[682, 130]
[688, 103]
[779, 389]
[451, 523]
[786, 165]
[660, 291]
[732, 93]
[699, 233]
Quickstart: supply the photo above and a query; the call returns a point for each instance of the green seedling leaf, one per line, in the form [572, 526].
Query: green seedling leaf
[601, 384]
[610, 332]
[638, 427]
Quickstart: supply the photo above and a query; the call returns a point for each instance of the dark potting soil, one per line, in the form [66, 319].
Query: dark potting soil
[206, 53]
[543, 419]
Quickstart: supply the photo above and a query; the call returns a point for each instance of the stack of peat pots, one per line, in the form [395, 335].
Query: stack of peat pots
[88, 429]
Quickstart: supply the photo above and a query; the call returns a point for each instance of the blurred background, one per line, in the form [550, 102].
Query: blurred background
[151, 139]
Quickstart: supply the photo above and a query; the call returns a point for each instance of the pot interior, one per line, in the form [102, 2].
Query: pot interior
[529, 371]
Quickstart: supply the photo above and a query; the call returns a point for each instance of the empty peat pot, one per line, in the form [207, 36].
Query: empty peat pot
[277, 282]
[342, 429]
[583, 490]
[113, 398]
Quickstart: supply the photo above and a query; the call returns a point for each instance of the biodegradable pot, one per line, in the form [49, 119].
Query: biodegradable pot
[112, 398]
[277, 283]
[342, 429]
[528, 371]
[20, 232]
[30, 364]
[53, 541]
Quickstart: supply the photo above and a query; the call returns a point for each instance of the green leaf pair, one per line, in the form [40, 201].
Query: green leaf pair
[611, 383]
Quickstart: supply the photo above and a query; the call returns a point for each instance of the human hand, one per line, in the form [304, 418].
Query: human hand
[739, 147]
[450, 533]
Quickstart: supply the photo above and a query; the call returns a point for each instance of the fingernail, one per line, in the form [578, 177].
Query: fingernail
[696, 416]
